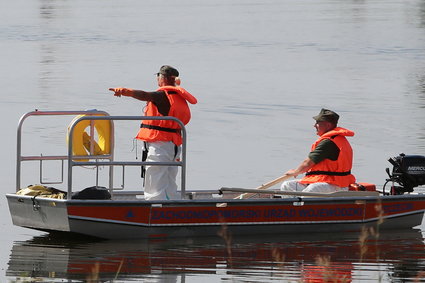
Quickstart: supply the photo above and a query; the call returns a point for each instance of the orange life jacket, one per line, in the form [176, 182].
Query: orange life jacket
[336, 172]
[167, 130]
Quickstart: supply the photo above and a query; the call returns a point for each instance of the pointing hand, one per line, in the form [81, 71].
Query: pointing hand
[122, 91]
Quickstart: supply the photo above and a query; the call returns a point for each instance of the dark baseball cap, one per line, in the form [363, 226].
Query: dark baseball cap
[327, 115]
[168, 71]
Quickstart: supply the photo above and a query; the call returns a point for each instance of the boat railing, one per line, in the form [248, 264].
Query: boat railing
[100, 160]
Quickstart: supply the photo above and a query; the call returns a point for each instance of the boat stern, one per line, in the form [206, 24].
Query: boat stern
[38, 212]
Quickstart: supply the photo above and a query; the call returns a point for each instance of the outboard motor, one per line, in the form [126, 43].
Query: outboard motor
[408, 172]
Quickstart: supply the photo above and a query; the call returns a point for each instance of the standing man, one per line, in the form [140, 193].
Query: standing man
[162, 137]
[328, 165]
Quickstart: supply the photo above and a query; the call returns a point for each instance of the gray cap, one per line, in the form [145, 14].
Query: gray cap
[168, 71]
[327, 115]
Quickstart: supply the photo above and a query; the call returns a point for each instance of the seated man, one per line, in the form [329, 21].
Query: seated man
[328, 165]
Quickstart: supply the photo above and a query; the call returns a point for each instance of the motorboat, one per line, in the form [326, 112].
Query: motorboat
[122, 212]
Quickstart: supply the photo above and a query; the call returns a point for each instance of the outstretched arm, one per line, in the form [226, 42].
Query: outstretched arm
[159, 98]
[137, 94]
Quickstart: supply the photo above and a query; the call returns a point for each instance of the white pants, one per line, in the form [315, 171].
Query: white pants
[296, 186]
[160, 181]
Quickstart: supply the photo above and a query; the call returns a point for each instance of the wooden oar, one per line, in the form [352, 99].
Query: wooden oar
[260, 188]
[307, 194]
[264, 186]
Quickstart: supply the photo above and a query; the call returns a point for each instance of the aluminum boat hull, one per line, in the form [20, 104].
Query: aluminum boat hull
[125, 219]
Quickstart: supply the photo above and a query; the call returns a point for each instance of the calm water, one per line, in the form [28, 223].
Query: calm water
[260, 70]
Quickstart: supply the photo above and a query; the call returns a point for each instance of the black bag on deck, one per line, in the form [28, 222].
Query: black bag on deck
[94, 192]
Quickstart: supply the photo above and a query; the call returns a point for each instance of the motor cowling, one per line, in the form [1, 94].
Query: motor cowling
[408, 172]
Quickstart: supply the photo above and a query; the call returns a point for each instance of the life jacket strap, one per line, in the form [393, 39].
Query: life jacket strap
[328, 173]
[158, 128]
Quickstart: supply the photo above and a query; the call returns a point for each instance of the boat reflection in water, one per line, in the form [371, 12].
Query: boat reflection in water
[395, 255]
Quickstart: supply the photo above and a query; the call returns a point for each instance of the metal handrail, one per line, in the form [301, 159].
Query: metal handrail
[75, 160]
[20, 158]
[182, 164]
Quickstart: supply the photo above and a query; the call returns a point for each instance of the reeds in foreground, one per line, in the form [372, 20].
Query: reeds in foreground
[227, 237]
[93, 277]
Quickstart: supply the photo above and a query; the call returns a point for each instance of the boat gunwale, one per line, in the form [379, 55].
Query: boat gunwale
[324, 200]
